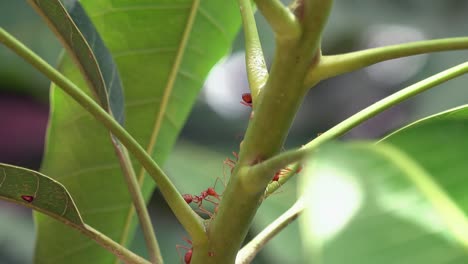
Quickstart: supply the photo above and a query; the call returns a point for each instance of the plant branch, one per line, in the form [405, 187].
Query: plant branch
[280, 161]
[283, 22]
[115, 248]
[330, 66]
[139, 203]
[313, 15]
[257, 72]
[249, 251]
[281, 98]
[188, 218]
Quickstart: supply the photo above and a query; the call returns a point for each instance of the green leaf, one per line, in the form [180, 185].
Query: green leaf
[439, 144]
[77, 33]
[373, 204]
[163, 50]
[39, 192]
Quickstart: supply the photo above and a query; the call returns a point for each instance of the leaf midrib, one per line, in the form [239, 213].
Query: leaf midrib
[163, 106]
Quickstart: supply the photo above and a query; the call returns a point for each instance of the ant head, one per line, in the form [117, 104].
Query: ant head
[247, 99]
[276, 178]
[188, 198]
[211, 191]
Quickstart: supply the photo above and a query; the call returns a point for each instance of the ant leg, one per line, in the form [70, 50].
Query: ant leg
[202, 210]
[187, 256]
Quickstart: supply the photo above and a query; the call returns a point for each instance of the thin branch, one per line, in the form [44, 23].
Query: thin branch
[257, 72]
[140, 206]
[188, 218]
[249, 251]
[267, 167]
[330, 66]
[283, 22]
[115, 248]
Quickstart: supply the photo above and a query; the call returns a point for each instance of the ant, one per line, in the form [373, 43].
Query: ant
[282, 172]
[207, 195]
[188, 255]
[232, 163]
[247, 99]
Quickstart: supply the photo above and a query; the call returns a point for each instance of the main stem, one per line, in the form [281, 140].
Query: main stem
[274, 114]
[188, 218]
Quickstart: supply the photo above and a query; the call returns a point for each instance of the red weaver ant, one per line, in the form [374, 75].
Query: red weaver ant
[204, 195]
[232, 163]
[247, 99]
[27, 198]
[281, 172]
[188, 255]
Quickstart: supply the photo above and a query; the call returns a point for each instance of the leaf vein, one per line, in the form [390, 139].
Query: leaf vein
[131, 52]
[66, 203]
[191, 77]
[141, 102]
[118, 207]
[147, 7]
[92, 169]
[214, 22]
[4, 177]
[164, 103]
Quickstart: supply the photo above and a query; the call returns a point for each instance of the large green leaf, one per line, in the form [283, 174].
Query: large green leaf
[39, 192]
[163, 50]
[440, 144]
[373, 204]
[77, 33]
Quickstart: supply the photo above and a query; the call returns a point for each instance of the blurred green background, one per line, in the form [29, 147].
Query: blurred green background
[218, 120]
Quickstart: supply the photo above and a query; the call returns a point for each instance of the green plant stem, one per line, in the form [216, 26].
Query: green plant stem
[330, 66]
[140, 205]
[264, 138]
[188, 218]
[257, 72]
[249, 251]
[115, 248]
[283, 22]
[280, 161]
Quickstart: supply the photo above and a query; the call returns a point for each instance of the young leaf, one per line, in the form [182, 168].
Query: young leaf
[164, 51]
[73, 27]
[373, 204]
[39, 192]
